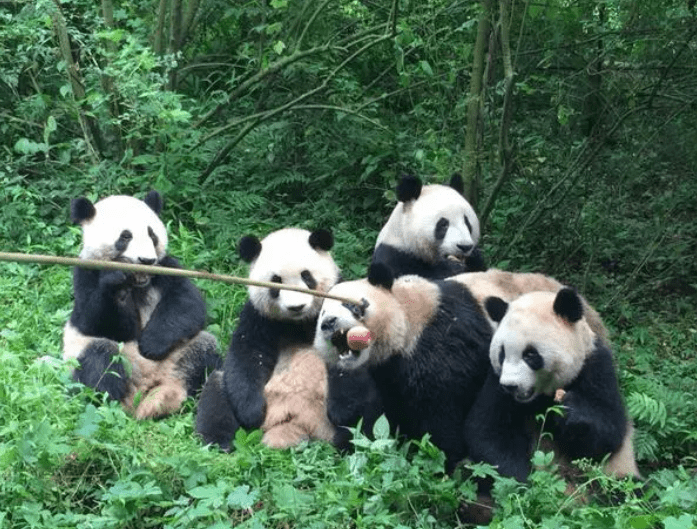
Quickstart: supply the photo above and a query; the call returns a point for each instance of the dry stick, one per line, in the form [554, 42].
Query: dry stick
[159, 270]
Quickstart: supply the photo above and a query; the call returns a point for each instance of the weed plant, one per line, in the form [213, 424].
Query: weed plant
[70, 458]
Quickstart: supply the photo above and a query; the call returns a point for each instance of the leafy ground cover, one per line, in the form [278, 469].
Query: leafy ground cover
[71, 459]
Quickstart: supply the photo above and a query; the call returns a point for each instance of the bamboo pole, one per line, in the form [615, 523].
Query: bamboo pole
[160, 270]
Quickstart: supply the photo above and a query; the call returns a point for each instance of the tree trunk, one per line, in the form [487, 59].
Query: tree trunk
[471, 168]
[505, 152]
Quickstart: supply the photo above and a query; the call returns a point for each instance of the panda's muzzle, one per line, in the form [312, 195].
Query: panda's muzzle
[340, 342]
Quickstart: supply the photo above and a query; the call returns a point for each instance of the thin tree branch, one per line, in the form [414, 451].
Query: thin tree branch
[272, 69]
[667, 69]
[222, 155]
[319, 9]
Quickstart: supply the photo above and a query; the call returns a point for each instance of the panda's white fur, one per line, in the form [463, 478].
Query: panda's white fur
[285, 256]
[544, 352]
[511, 285]
[124, 228]
[563, 347]
[411, 225]
[425, 361]
[396, 318]
[113, 215]
[272, 378]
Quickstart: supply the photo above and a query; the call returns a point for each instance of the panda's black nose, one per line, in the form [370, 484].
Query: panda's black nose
[296, 308]
[511, 389]
[146, 261]
[328, 324]
[465, 248]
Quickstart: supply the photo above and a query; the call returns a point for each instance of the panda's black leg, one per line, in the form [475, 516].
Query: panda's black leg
[199, 360]
[102, 368]
[351, 396]
[215, 421]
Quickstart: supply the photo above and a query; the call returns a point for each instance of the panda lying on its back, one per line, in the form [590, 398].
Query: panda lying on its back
[544, 353]
[425, 359]
[158, 319]
[271, 377]
[432, 232]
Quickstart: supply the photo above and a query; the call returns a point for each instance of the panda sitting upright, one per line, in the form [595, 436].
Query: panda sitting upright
[272, 377]
[544, 353]
[432, 232]
[137, 337]
[424, 356]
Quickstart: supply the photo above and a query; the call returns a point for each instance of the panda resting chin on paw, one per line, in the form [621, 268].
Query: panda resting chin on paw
[432, 232]
[272, 378]
[544, 353]
[137, 337]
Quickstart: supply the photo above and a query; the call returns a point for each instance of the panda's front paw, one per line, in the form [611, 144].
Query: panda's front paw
[112, 279]
[252, 411]
[152, 349]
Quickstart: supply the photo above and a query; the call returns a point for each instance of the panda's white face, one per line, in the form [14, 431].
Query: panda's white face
[440, 223]
[534, 351]
[394, 317]
[123, 228]
[287, 258]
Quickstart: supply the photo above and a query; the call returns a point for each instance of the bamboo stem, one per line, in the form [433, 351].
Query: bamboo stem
[159, 270]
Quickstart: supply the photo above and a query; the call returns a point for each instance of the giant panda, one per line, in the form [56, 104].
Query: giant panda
[137, 337]
[544, 353]
[426, 357]
[272, 377]
[432, 232]
[511, 285]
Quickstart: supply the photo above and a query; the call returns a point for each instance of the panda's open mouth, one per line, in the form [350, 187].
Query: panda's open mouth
[340, 342]
[140, 280]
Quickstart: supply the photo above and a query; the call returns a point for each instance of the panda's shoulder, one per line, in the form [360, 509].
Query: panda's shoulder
[457, 294]
[599, 357]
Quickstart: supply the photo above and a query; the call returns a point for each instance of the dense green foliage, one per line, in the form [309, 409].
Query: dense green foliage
[251, 116]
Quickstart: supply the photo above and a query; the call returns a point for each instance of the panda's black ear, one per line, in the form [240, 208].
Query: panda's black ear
[322, 240]
[496, 308]
[154, 200]
[457, 183]
[81, 210]
[408, 188]
[380, 275]
[568, 305]
[249, 248]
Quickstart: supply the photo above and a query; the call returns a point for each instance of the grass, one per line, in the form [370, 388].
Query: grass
[69, 458]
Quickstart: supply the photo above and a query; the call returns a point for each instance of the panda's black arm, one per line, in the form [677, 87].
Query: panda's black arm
[496, 431]
[249, 364]
[352, 395]
[594, 423]
[179, 315]
[401, 263]
[103, 305]
[475, 261]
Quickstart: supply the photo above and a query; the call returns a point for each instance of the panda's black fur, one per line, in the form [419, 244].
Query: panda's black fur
[237, 396]
[502, 430]
[158, 319]
[413, 252]
[424, 380]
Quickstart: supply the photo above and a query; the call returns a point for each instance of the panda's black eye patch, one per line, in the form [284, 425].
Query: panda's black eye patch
[123, 240]
[533, 358]
[469, 225]
[502, 355]
[152, 235]
[274, 292]
[441, 228]
[309, 279]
